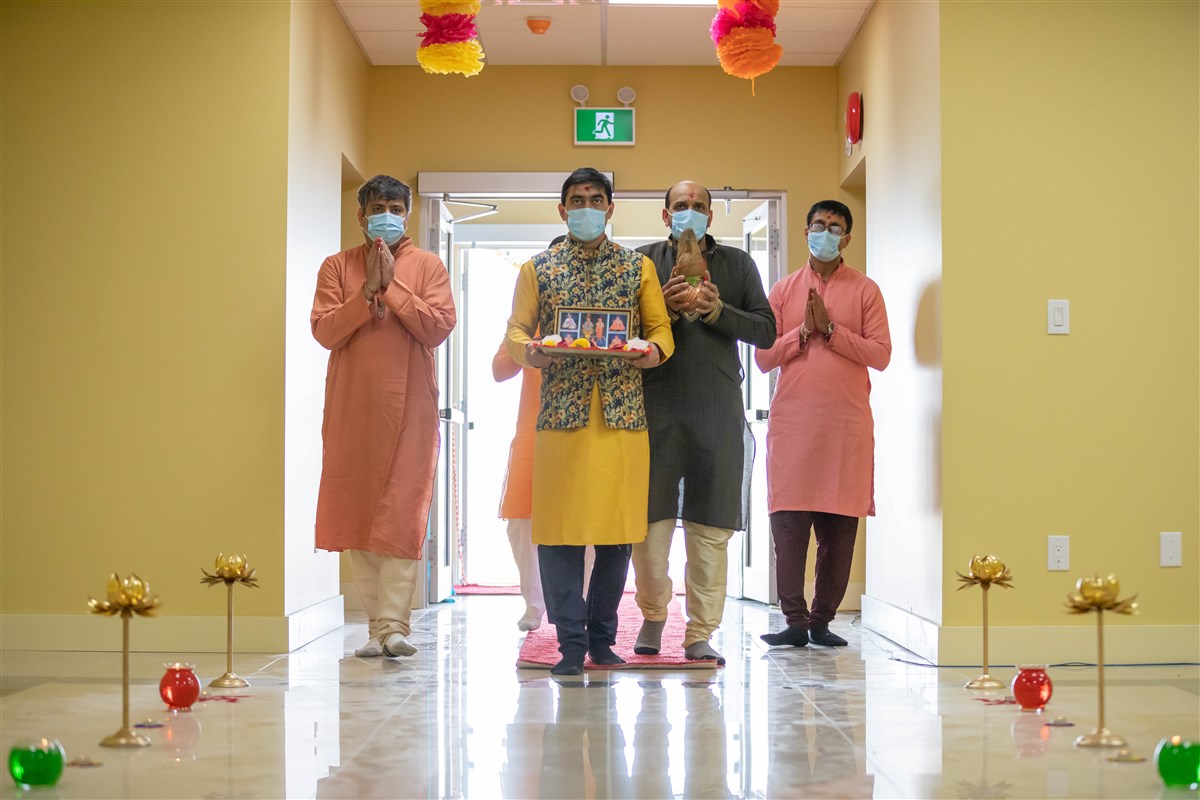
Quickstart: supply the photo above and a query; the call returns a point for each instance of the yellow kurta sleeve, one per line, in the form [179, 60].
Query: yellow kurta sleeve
[524, 319]
[656, 325]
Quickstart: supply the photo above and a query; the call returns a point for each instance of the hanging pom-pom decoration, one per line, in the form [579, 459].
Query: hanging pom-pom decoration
[744, 33]
[450, 42]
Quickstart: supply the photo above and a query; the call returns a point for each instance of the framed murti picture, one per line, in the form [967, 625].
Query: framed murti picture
[604, 328]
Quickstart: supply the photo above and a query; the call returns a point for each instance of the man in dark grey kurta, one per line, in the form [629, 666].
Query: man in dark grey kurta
[701, 448]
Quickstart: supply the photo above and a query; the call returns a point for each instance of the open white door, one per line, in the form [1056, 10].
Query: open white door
[761, 233]
[445, 516]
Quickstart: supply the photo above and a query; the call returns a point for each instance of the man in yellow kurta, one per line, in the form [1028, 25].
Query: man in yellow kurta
[591, 461]
[380, 309]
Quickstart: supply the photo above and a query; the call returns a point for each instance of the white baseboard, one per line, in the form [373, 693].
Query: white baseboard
[169, 633]
[313, 622]
[913, 633]
[1125, 641]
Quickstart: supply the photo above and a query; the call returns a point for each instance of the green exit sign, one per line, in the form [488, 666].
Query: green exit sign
[613, 126]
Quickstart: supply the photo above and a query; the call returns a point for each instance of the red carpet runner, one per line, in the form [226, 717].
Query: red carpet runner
[482, 588]
[540, 649]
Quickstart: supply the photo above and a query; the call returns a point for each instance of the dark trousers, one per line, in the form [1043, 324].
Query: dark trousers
[835, 553]
[582, 623]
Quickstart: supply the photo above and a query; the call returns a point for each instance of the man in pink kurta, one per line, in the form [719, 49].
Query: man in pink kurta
[380, 309]
[831, 326]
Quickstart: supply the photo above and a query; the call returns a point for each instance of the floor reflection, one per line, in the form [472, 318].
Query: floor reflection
[459, 721]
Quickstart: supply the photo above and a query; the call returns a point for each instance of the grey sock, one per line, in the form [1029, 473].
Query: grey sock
[649, 640]
[702, 651]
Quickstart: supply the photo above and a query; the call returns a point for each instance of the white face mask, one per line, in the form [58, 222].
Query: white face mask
[823, 245]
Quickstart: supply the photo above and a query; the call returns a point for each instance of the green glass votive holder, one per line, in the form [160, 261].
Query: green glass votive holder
[36, 763]
[1178, 762]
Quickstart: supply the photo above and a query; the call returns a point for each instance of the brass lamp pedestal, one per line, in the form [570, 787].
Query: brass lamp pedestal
[985, 682]
[229, 680]
[125, 737]
[1100, 735]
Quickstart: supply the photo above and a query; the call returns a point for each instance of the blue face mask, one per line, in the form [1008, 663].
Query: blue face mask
[689, 218]
[386, 226]
[586, 224]
[823, 245]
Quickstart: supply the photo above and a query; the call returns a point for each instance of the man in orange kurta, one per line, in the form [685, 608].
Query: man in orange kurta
[380, 309]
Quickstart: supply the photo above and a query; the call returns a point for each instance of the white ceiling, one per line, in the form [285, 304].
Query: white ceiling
[813, 33]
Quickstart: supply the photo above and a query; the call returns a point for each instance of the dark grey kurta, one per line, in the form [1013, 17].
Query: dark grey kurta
[701, 449]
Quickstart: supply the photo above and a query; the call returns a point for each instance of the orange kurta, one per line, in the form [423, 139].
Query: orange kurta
[381, 428]
[516, 501]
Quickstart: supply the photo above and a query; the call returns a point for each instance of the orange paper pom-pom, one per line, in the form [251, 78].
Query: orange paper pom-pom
[748, 52]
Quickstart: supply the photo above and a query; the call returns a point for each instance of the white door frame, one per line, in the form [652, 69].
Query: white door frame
[755, 579]
[441, 553]
[757, 555]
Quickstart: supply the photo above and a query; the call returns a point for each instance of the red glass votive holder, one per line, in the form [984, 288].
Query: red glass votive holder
[1031, 687]
[179, 687]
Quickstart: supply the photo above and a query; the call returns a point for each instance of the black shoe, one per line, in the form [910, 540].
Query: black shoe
[604, 656]
[820, 634]
[792, 635]
[570, 665]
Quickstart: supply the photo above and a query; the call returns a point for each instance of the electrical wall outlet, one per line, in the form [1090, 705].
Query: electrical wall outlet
[1170, 549]
[1058, 553]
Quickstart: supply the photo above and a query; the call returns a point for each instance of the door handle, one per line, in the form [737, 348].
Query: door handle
[451, 415]
[761, 414]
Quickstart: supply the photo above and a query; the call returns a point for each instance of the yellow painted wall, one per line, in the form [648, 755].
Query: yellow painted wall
[691, 122]
[327, 123]
[144, 196]
[897, 172]
[1070, 164]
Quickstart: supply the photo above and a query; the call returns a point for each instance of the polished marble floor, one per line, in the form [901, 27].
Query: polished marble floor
[458, 720]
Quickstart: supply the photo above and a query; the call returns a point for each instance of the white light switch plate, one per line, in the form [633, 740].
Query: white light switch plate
[1058, 316]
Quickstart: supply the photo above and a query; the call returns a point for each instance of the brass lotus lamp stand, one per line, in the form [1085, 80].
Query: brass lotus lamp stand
[1099, 595]
[229, 570]
[126, 598]
[984, 571]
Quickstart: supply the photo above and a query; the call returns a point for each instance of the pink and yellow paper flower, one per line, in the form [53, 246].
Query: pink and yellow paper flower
[450, 42]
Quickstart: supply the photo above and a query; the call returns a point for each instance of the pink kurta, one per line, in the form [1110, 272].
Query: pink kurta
[820, 434]
[516, 501]
[381, 428]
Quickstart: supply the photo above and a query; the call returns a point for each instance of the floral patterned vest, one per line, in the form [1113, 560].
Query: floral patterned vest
[566, 277]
